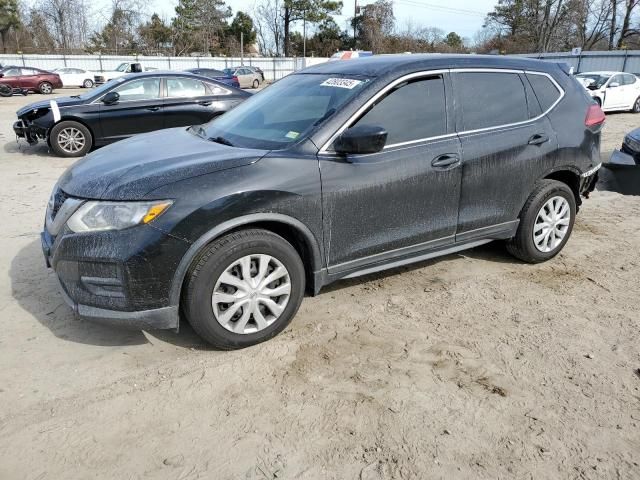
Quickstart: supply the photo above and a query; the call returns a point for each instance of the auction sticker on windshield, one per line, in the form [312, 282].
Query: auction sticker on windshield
[341, 83]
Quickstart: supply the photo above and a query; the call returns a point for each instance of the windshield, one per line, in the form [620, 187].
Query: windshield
[228, 71]
[593, 81]
[122, 67]
[285, 112]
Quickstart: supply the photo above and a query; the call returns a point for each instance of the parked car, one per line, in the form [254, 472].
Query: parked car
[75, 77]
[217, 75]
[247, 78]
[613, 90]
[31, 79]
[339, 170]
[128, 105]
[122, 69]
[631, 145]
[257, 70]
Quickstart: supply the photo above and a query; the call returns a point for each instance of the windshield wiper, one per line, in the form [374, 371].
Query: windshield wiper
[221, 140]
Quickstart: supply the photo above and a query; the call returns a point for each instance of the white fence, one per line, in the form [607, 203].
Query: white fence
[273, 68]
[616, 61]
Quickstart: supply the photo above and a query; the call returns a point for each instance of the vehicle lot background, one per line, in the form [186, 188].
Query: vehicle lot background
[470, 366]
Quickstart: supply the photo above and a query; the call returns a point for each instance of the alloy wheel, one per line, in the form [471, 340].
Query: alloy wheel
[46, 88]
[71, 140]
[552, 224]
[251, 294]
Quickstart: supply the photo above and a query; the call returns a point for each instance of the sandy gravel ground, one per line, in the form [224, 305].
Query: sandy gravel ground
[469, 366]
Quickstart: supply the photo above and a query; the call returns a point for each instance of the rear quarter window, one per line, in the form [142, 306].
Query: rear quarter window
[545, 90]
[490, 99]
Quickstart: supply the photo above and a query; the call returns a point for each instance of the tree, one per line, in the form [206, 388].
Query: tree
[311, 11]
[454, 41]
[199, 24]
[242, 23]
[374, 25]
[155, 34]
[269, 27]
[66, 20]
[626, 31]
[9, 19]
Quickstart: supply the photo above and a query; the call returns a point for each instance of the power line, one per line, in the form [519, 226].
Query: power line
[440, 8]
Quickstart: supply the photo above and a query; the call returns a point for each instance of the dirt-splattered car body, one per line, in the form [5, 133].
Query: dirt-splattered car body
[346, 215]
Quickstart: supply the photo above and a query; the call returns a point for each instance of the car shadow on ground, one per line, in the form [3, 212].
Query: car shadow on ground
[35, 289]
[41, 149]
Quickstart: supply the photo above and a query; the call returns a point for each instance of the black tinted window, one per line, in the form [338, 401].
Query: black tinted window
[546, 92]
[414, 111]
[490, 99]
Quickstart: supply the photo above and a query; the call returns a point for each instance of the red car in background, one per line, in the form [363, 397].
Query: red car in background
[29, 78]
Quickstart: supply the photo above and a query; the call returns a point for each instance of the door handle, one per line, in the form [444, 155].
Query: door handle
[538, 139]
[445, 161]
[205, 103]
[153, 109]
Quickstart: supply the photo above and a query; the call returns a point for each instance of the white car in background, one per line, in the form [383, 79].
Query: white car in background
[613, 90]
[75, 77]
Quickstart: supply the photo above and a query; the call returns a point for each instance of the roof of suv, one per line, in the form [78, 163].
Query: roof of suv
[378, 65]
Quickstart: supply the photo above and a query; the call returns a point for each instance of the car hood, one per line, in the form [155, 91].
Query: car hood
[634, 134]
[61, 101]
[130, 169]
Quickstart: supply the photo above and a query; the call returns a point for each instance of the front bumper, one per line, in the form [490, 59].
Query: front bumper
[120, 278]
[29, 132]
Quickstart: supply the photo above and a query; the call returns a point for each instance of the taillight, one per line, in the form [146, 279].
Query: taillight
[595, 116]
[234, 78]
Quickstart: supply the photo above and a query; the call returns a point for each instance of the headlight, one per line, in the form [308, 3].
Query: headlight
[99, 216]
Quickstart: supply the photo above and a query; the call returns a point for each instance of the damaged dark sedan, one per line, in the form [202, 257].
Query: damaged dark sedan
[125, 106]
[336, 171]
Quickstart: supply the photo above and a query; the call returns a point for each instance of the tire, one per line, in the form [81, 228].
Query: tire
[5, 90]
[546, 194]
[88, 83]
[76, 132]
[256, 83]
[636, 106]
[222, 258]
[45, 88]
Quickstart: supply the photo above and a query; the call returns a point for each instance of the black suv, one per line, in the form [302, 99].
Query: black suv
[339, 170]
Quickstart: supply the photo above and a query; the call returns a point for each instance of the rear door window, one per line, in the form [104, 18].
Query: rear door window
[414, 111]
[546, 91]
[629, 79]
[490, 99]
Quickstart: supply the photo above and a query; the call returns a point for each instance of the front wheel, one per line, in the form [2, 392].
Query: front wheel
[70, 139]
[5, 90]
[244, 289]
[636, 106]
[546, 222]
[88, 83]
[45, 88]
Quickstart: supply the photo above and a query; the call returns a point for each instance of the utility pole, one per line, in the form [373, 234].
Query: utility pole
[304, 33]
[355, 14]
[241, 48]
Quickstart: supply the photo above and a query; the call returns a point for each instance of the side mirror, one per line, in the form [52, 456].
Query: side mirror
[614, 84]
[361, 139]
[111, 98]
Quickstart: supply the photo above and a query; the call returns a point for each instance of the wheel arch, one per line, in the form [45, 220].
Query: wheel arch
[569, 177]
[289, 228]
[72, 119]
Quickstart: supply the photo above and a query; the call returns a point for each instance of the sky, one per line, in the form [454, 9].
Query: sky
[465, 17]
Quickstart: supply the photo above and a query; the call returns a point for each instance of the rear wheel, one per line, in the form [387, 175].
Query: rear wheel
[546, 222]
[70, 139]
[88, 83]
[45, 88]
[256, 83]
[244, 289]
[636, 106]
